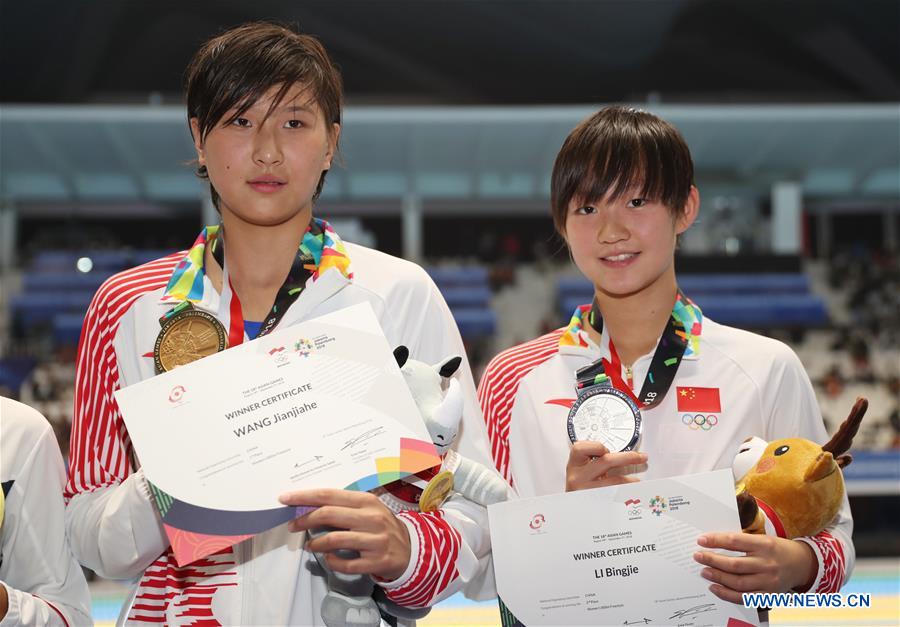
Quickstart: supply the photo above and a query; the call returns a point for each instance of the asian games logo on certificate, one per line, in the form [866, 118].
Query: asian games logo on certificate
[304, 347]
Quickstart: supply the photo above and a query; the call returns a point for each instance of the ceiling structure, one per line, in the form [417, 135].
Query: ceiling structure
[475, 52]
[463, 101]
[462, 155]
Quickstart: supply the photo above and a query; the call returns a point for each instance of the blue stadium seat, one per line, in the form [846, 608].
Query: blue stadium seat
[458, 276]
[54, 260]
[67, 328]
[65, 260]
[110, 260]
[68, 281]
[761, 300]
[14, 371]
[140, 257]
[467, 297]
[693, 284]
[475, 323]
[776, 310]
[749, 310]
[568, 286]
[771, 283]
[32, 309]
[874, 466]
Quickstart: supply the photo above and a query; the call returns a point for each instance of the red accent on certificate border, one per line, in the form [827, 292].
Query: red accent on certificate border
[698, 399]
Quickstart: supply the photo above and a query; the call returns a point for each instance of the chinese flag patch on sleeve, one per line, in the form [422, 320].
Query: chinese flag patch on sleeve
[698, 399]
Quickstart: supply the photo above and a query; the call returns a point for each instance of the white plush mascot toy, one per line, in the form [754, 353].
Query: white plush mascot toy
[350, 601]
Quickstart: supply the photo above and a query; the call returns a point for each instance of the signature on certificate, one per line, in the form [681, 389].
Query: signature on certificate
[315, 458]
[642, 621]
[362, 437]
[691, 611]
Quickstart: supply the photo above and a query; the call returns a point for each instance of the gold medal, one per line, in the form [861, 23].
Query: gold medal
[188, 336]
[436, 492]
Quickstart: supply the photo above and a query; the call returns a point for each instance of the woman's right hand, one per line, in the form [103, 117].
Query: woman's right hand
[590, 462]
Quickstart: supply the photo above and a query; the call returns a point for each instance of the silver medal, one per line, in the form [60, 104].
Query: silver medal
[606, 415]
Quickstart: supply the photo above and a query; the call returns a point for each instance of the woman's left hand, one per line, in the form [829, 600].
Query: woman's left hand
[770, 565]
[362, 523]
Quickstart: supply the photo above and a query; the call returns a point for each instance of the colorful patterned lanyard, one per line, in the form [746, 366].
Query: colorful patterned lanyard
[305, 265]
[664, 364]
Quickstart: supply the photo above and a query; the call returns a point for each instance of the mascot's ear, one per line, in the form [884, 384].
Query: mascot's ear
[748, 456]
[449, 366]
[401, 354]
[843, 460]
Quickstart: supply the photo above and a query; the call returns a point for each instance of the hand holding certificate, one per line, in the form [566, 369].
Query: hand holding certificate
[318, 405]
[364, 525]
[615, 555]
[770, 564]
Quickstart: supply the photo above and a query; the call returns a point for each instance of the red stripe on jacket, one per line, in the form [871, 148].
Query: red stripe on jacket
[499, 386]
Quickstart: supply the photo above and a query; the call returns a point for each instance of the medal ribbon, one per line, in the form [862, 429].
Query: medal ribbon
[173, 312]
[305, 265]
[320, 250]
[663, 366]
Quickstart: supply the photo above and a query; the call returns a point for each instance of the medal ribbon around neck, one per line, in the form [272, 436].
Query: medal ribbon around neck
[305, 265]
[188, 334]
[663, 366]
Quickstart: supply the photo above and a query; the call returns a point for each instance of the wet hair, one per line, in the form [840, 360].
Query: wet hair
[616, 151]
[233, 70]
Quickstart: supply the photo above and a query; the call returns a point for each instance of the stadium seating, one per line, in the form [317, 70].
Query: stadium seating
[468, 294]
[55, 294]
[32, 309]
[67, 328]
[456, 276]
[475, 323]
[746, 300]
[64, 281]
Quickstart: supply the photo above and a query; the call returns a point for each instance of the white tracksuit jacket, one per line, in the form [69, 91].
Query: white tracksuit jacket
[43, 581]
[763, 390]
[269, 579]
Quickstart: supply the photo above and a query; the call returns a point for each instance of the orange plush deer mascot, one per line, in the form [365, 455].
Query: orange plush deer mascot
[793, 487]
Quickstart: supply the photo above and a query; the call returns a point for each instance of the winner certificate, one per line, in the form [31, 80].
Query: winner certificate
[621, 555]
[321, 404]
